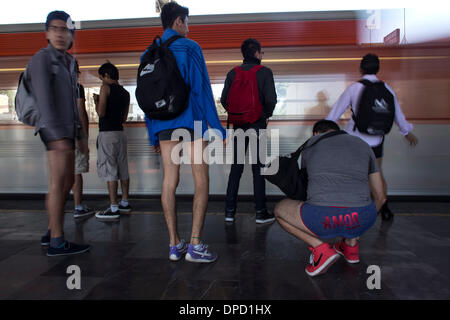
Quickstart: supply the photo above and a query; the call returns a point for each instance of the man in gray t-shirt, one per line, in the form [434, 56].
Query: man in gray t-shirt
[338, 171]
[343, 174]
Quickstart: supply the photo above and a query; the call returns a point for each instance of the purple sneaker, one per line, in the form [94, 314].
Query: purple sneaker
[200, 253]
[176, 252]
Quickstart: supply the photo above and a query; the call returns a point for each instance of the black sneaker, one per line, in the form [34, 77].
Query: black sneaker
[229, 216]
[45, 240]
[386, 213]
[83, 212]
[67, 248]
[264, 217]
[107, 214]
[124, 209]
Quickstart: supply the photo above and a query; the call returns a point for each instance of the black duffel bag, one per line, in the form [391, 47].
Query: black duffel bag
[292, 180]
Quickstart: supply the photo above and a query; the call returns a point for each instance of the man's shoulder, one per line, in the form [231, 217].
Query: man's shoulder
[125, 91]
[344, 138]
[355, 85]
[266, 72]
[42, 54]
[355, 143]
[186, 43]
[265, 69]
[232, 71]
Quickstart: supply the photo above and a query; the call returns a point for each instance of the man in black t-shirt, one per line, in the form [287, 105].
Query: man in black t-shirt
[112, 106]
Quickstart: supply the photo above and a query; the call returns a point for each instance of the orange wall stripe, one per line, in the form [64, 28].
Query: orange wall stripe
[214, 36]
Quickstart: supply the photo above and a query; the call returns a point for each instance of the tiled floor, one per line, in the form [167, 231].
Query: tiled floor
[129, 258]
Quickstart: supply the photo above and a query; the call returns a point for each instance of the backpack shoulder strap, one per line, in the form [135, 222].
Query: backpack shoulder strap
[326, 135]
[237, 69]
[155, 43]
[256, 68]
[366, 82]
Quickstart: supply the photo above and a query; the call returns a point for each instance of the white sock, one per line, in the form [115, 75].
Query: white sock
[79, 207]
[114, 208]
[124, 203]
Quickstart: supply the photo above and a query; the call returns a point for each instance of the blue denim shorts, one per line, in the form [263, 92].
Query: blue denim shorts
[331, 222]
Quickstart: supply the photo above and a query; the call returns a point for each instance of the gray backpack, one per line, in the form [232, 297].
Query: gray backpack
[26, 109]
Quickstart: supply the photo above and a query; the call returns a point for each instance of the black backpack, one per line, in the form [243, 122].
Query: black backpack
[292, 180]
[161, 91]
[376, 109]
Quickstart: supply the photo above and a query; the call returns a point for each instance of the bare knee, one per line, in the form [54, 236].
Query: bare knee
[286, 209]
[170, 184]
[280, 209]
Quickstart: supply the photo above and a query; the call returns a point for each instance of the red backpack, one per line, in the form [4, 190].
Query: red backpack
[243, 104]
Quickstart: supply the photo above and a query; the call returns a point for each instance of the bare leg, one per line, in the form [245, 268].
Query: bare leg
[77, 190]
[200, 174]
[112, 189]
[61, 157]
[125, 185]
[287, 213]
[380, 162]
[169, 187]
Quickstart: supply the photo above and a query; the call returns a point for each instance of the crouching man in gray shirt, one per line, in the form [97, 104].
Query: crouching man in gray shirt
[342, 171]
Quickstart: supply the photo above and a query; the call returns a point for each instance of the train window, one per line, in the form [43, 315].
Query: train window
[297, 99]
[135, 113]
[7, 110]
[300, 98]
[307, 98]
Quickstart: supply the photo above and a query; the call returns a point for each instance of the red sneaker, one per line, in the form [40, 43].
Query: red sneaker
[350, 254]
[322, 257]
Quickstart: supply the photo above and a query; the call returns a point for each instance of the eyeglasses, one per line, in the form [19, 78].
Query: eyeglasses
[59, 29]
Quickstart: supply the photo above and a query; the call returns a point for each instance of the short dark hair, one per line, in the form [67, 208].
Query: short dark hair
[60, 15]
[322, 126]
[249, 47]
[110, 69]
[370, 64]
[170, 12]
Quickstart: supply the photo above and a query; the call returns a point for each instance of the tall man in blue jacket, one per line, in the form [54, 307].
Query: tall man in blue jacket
[201, 108]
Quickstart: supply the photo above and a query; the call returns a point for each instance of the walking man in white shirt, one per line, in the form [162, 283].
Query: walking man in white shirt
[369, 67]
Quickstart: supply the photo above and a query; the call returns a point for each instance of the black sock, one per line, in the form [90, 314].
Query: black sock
[56, 242]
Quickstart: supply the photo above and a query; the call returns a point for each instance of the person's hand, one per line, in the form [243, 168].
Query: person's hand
[83, 146]
[96, 98]
[225, 141]
[412, 139]
[156, 149]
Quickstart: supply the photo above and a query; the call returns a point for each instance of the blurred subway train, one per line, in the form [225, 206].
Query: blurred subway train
[313, 56]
